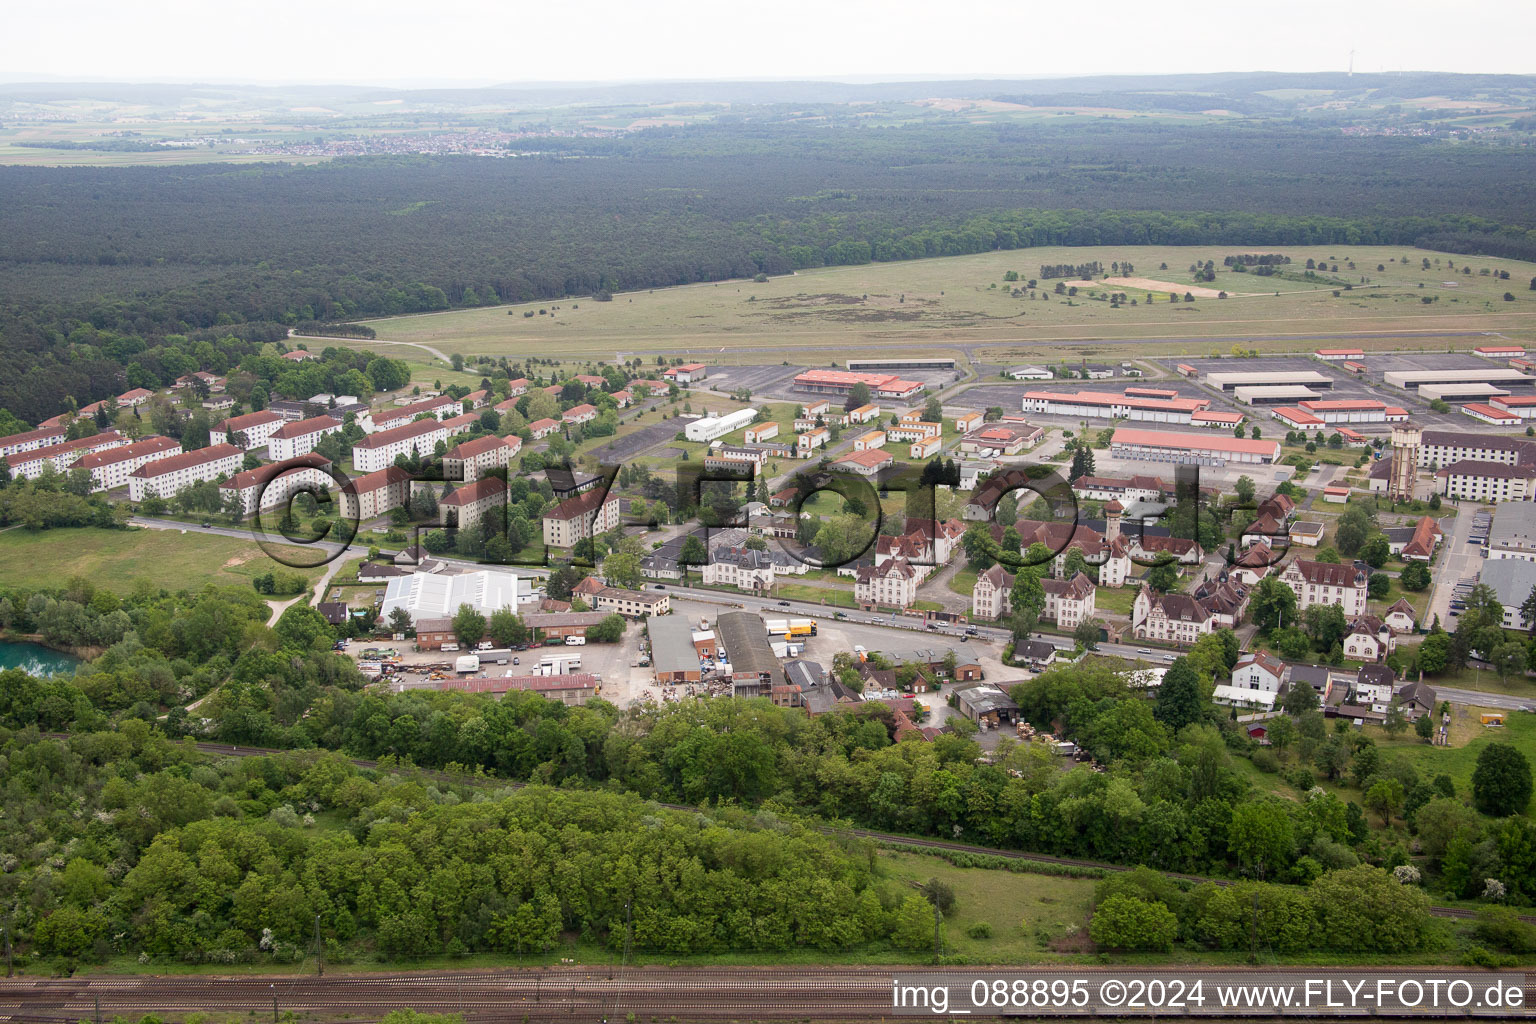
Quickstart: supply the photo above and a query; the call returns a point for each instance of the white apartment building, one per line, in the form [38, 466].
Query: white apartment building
[374, 494]
[291, 440]
[1487, 481]
[15, 444]
[1067, 602]
[578, 518]
[470, 460]
[377, 451]
[256, 427]
[1326, 583]
[165, 477]
[274, 484]
[111, 467]
[442, 407]
[469, 503]
[64, 455]
[893, 584]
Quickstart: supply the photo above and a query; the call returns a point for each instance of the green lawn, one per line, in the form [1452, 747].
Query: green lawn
[1115, 601]
[1020, 908]
[963, 581]
[119, 559]
[823, 595]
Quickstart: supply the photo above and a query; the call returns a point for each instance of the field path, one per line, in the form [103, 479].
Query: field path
[376, 341]
[1149, 285]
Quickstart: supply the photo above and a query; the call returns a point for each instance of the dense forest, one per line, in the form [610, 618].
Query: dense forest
[145, 252]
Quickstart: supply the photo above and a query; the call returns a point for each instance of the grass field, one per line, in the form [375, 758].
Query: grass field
[947, 305]
[1468, 738]
[118, 560]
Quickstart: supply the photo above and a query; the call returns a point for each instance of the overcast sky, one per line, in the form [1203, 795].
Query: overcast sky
[483, 41]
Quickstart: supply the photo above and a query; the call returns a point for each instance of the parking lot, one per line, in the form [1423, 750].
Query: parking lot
[631, 445]
[766, 378]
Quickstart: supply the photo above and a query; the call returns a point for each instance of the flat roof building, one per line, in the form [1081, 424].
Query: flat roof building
[1272, 394]
[1227, 380]
[1413, 380]
[426, 595]
[1205, 449]
[841, 382]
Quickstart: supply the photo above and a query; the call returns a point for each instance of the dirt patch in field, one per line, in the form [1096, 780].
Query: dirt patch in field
[1148, 285]
[237, 561]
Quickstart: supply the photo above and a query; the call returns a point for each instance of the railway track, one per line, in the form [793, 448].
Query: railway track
[574, 993]
[887, 838]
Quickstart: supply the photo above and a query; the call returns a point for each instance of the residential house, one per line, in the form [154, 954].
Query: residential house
[1258, 671]
[543, 428]
[1173, 618]
[111, 467]
[1368, 639]
[1401, 618]
[991, 594]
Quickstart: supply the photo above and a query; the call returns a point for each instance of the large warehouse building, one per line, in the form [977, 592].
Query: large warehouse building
[427, 595]
[902, 363]
[1228, 380]
[1502, 376]
[1107, 405]
[1460, 392]
[841, 382]
[1204, 449]
[1273, 394]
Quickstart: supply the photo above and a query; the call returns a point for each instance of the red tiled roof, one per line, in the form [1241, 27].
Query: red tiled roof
[298, 428]
[582, 503]
[374, 481]
[479, 446]
[249, 420]
[148, 446]
[401, 433]
[263, 474]
[481, 489]
[186, 460]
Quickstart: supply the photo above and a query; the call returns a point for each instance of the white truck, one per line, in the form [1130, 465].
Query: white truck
[468, 664]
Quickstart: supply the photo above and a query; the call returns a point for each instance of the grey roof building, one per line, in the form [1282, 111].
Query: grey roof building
[1512, 579]
[754, 668]
[673, 656]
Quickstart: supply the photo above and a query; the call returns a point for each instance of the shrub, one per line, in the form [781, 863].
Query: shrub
[979, 930]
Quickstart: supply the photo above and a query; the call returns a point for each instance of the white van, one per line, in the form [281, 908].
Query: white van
[450, 647]
[575, 641]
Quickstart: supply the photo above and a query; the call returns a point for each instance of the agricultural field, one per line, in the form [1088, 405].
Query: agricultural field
[962, 306]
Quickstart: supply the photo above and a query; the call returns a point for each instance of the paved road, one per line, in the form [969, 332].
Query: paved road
[1461, 560]
[1483, 699]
